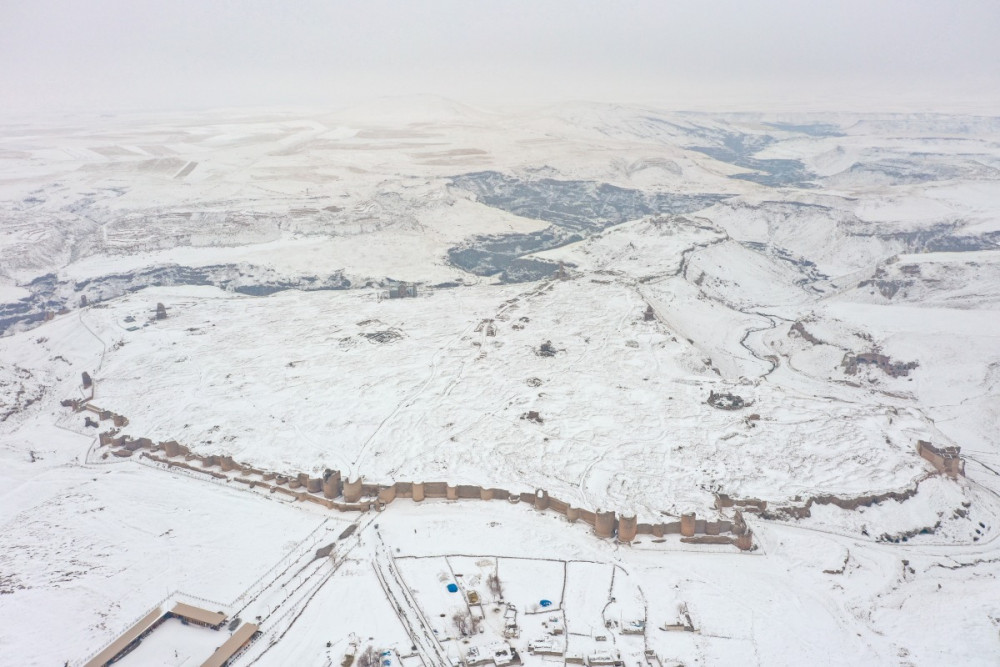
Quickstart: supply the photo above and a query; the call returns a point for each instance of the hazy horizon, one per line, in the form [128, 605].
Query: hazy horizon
[114, 56]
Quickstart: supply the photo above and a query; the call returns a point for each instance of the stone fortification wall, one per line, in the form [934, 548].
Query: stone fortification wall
[559, 506]
[436, 489]
[723, 501]
[334, 491]
[946, 461]
[802, 509]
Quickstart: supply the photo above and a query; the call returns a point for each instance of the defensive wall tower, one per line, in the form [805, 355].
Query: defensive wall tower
[387, 494]
[352, 490]
[628, 526]
[331, 483]
[605, 524]
[541, 499]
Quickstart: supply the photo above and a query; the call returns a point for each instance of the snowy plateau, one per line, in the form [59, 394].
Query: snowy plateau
[418, 384]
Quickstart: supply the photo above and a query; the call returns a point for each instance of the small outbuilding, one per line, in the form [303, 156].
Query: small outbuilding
[232, 646]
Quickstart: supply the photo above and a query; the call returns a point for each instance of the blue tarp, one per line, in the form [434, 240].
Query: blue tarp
[452, 588]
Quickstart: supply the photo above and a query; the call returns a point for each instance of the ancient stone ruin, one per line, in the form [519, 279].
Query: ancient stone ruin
[946, 460]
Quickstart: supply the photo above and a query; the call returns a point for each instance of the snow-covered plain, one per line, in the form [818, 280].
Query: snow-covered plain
[588, 276]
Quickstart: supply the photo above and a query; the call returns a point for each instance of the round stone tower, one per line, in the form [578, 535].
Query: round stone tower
[628, 527]
[604, 524]
[541, 499]
[331, 483]
[687, 524]
[352, 490]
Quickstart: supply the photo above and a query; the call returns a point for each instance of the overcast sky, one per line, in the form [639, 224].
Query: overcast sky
[104, 55]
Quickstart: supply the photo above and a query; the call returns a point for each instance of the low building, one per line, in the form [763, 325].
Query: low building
[603, 657]
[233, 646]
[128, 640]
[634, 627]
[496, 653]
[547, 646]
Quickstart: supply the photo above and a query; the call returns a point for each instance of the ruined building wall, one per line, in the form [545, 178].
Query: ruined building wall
[945, 460]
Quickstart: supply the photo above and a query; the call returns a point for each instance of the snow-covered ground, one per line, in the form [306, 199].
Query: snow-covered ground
[588, 277]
